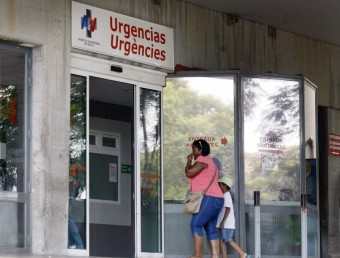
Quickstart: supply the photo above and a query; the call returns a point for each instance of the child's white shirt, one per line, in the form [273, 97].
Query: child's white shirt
[230, 221]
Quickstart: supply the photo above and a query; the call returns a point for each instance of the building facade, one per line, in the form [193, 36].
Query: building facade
[84, 150]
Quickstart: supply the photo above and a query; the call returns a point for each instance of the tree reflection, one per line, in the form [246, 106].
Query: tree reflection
[78, 139]
[271, 114]
[282, 115]
[150, 118]
[251, 93]
[150, 123]
[8, 136]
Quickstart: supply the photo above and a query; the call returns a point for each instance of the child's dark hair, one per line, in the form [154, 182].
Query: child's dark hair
[202, 145]
[225, 185]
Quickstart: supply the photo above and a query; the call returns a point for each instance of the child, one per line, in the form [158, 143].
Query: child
[226, 220]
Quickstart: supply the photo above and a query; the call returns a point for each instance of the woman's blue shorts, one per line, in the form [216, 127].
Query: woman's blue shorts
[207, 217]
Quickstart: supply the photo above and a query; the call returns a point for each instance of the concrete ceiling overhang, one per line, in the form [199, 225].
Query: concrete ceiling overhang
[318, 19]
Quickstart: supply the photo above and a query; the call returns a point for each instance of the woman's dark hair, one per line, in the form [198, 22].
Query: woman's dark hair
[202, 145]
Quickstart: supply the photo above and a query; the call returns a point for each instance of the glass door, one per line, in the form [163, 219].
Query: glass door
[150, 237]
[262, 133]
[196, 106]
[14, 161]
[101, 178]
[109, 182]
[116, 158]
[78, 183]
[111, 167]
[272, 155]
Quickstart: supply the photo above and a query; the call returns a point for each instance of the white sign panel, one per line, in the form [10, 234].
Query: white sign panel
[270, 162]
[113, 172]
[101, 31]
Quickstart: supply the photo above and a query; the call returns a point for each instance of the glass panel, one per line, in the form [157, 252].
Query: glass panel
[92, 140]
[312, 231]
[150, 169]
[194, 107]
[12, 223]
[12, 123]
[77, 176]
[280, 233]
[109, 142]
[13, 226]
[311, 171]
[272, 159]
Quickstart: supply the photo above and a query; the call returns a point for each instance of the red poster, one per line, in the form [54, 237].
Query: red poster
[334, 144]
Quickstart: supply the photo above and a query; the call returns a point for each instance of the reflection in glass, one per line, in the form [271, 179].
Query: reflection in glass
[272, 162]
[150, 169]
[12, 148]
[77, 176]
[12, 121]
[271, 139]
[196, 107]
[280, 234]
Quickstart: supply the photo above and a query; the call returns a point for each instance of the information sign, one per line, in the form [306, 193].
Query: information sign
[334, 144]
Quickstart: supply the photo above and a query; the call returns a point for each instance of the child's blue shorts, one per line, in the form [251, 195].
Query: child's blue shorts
[226, 234]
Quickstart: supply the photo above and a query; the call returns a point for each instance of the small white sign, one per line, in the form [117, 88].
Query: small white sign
[113, 172]
[270, 162]
[101, 31]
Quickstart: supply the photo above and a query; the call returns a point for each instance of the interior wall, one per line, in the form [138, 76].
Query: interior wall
[115, 214]
[111, 229]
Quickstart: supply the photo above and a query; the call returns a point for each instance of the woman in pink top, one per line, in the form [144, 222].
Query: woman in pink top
[200, 174]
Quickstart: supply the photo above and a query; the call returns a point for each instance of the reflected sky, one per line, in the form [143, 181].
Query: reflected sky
[202, 85]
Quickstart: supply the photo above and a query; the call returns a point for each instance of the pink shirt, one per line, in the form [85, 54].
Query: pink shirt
[201, 181]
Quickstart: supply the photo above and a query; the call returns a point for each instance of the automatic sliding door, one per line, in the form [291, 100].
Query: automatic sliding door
[150, 171]
[101, 177]
[111, 167]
